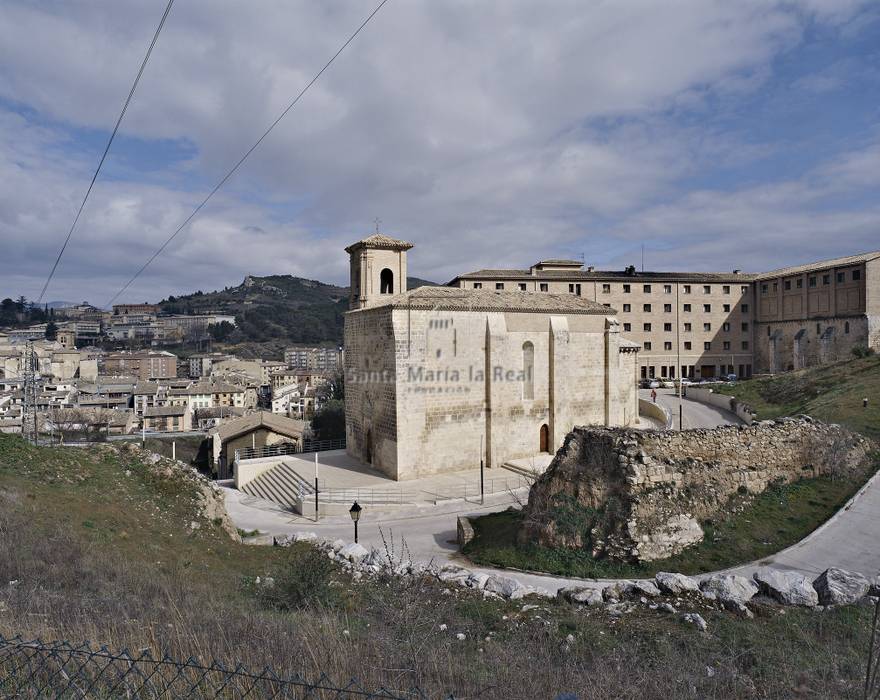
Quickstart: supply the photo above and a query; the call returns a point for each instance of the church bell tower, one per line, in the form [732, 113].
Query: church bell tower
[378, 269]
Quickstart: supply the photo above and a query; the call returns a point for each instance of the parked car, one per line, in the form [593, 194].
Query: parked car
[653, 384]
[667, 384]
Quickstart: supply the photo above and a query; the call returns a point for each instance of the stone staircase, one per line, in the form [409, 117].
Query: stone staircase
[280, 484]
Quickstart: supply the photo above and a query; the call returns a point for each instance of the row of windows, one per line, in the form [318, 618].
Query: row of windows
[668, 371]
[818, 329]
[812, 281]
[688, 345]
[687, 327]
[575, 288]
[667, 289]
[687, 308]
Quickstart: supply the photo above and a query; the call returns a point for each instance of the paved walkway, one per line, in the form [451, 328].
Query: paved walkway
[694, 413]
[849, 540]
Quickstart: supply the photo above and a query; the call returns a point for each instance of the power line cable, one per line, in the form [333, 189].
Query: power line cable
[107, 148]
[245, 156]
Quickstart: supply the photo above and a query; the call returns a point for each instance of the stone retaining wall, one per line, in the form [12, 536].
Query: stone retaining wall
[641, 496]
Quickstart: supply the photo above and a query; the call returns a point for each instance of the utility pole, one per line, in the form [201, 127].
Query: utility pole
[678, 355]
[29, 404]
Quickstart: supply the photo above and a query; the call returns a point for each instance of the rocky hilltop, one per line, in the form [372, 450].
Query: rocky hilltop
[641, 496]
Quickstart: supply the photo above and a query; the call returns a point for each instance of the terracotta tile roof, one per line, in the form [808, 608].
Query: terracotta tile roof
[262, 419]
[378, 240]
[455, 299]
[821, 265]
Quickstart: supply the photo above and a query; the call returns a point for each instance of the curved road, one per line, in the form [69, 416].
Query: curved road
[849, 540]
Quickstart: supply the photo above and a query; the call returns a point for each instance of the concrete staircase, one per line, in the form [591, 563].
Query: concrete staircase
[281, 485]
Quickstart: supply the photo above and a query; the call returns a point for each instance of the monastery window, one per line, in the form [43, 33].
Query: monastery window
[764, 288]
[647, 345]
[826, 279]
[707, 308]
[687, 289]
[812, 281]
[606, 289]
[627, 308]
[707, 345]
[707, 289]
[667, 327]
[646, 327]
[667, 345]
[667, 308]
[726, 345]
[846, 328]
[776, 286]
[725, 327]
[726, 289]
[707, 326]
[745, 345]
[386, 281]
[574, 289]
[687, 308]
[627, 327]
[646, 288]
[841, 277]
[499, 285]
[607, 306]
[478, 285]
[522, 286]
[544, 287]
[768, 331]
[818, 328]
[799, 283]
[688, 327]
[626, 289]
[688, 345]
[646, 308]
[667, 289]
[528, 382]
[857, 275]
[787, 285]
[726, 308]
[744, 308]
[745, 327]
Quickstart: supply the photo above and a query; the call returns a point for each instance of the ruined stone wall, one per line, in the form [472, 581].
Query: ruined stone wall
[642, 495]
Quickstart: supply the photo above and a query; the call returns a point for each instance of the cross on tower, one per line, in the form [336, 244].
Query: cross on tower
[378, 221]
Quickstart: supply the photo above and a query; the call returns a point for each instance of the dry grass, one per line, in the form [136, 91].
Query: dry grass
[101, 556]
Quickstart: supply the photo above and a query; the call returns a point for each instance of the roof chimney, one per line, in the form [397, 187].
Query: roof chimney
[590, 268]
[736, 272]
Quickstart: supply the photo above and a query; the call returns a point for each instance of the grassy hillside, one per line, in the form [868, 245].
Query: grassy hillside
[832, 393]
[106, 545]
[274, 312]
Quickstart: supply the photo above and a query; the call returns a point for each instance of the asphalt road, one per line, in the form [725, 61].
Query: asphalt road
[694, 413]
[849, 540]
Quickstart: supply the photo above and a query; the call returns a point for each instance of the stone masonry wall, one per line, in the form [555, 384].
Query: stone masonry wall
[640, 496]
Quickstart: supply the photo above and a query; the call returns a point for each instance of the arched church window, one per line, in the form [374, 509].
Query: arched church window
[386, 281]
[528, 377]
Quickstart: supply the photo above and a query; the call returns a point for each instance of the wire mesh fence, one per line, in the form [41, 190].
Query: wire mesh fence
[60, 670]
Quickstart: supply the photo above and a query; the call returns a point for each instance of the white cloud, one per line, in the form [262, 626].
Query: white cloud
[490, 134]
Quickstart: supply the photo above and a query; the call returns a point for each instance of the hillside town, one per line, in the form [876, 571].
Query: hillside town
[84, 391]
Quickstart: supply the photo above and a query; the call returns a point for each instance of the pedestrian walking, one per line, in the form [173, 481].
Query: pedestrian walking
[654, 395]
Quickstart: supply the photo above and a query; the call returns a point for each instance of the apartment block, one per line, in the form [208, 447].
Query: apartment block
[143, 365]
[708, 324]
[325, 359]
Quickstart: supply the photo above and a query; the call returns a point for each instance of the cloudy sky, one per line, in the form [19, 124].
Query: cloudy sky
[720, 135]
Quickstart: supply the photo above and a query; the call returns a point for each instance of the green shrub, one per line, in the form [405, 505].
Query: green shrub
[301, 579]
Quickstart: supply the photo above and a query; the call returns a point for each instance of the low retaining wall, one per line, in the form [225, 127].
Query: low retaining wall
[655, 411]
[641, 495]
[249, 469]
[742, 410]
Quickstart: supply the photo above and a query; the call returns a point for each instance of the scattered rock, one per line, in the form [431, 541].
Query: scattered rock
[505, 586]
[453, 574]
[786, 587]
[353, 552]
[675, 584]
[839, 587]
[581, 595]
[477, 580]
[697, 620]
[729, 589]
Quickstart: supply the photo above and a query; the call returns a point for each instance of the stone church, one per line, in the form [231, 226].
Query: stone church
[438, 378]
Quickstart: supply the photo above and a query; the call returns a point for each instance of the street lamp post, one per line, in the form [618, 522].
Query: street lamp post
[355, 513]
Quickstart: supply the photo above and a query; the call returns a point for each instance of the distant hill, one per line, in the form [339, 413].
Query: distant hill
[275, 311]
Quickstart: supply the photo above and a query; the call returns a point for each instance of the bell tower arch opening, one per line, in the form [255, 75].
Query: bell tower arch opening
[386, 281]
